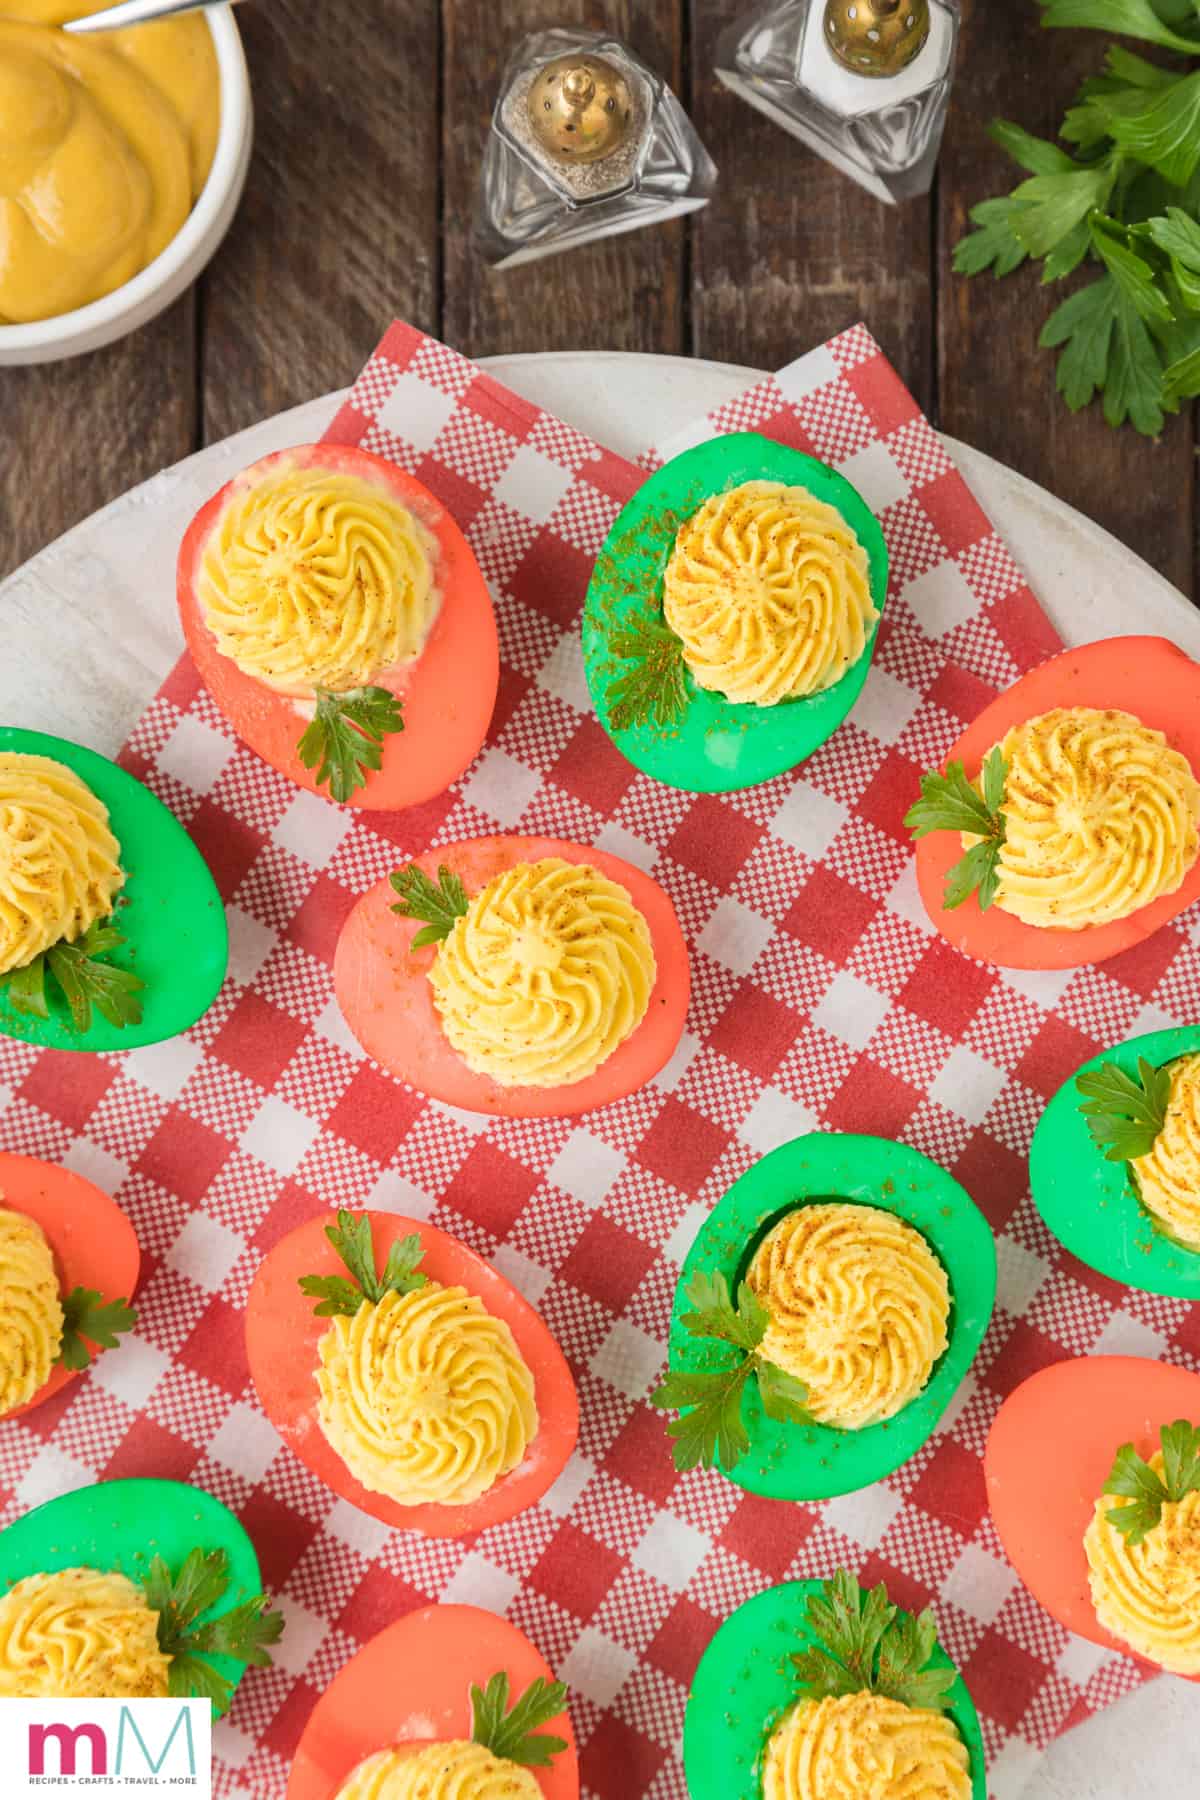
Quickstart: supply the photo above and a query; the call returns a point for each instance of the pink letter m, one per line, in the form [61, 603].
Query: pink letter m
[67, 1738]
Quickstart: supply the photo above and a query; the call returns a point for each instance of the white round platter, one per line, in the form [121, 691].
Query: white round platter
[89, 630]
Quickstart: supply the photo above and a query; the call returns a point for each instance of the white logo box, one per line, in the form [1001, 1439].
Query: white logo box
[115, 1746]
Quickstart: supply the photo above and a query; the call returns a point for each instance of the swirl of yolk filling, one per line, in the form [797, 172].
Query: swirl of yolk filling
[859, 1305]
[77, 1635]
[1100, 819]
[452, 1771]
[861, 1745]
[770, 592]
[312, 578]
[1168, 1176]
[425, 1396]
[59, 868]
[1148, 1594]
[547, 973]
[31, 1314]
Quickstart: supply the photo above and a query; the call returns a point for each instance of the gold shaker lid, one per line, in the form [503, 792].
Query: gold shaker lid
[876, 37]
[580, 108]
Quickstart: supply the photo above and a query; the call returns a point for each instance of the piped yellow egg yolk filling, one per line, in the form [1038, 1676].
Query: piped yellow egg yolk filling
[31, 1314]
[1168, 1176]
[859, 1306]
[452, 1771]
[104, 145]
[79, 1634]
[1148, 1594]
[549, 971]
[769, 590]
[316, 579]
[1100, 818]
[862, 1745]
[59, 867]
[425, 1396]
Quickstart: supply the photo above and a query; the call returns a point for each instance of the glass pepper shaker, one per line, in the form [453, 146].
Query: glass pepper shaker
[585, 141]
[865, 83]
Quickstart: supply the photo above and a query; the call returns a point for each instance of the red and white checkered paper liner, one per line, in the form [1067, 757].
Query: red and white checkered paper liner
[821, 998]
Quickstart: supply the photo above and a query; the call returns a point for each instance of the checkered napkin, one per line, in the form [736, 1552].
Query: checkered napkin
[821, 999]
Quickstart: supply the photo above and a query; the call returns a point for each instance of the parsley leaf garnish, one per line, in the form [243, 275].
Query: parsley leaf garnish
[1123, 198]
[83, 980]
[950, 802]
[244, 1632]
[514, 1734]
[709, 1428]
[1124, 1113]
[180, 1599]
[712, 1313]
[709, 1401]
[27, 988]
[907, 1645]
[867, 1645]
[351, 1238]
[345, 740]
[1145, 1492]
[90, 1319]
[653, 690]
[440, 904]
[192, 1677]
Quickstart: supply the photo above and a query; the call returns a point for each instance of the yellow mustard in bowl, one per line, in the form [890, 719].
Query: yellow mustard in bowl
[105, 142]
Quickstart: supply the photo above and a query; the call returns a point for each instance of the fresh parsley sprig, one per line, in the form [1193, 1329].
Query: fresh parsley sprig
[344, 742]
[83, 980]
[1146, 1492]
[512, 1733]
[351, 1238]
[1125, 1113]
[439, 904]
[244, 1632]
[867, 1645]
[710, 1427]
[652, 689]
[950, 802]
[90, 1319]
[1124, 198]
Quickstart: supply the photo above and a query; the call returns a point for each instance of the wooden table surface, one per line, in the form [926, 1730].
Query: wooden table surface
[371, 116]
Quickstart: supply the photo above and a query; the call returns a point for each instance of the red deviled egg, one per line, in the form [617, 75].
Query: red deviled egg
[523, 976]
[1064, 828]
[69, 1265]
[408, 1373]
[339, 619]
[1093, 1479]
[410, 1694]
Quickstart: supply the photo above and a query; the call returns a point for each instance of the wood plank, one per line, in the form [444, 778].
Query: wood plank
[791, 251]
[338, 228]
[625, 293]
[78, 433]
[997, 387]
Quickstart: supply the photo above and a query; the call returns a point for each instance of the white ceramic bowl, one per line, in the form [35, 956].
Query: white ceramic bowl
[160, 282]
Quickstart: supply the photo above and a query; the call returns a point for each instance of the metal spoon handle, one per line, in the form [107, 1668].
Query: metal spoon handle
[133, 12]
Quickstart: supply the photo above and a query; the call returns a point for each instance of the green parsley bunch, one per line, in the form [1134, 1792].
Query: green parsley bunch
[1123, 201]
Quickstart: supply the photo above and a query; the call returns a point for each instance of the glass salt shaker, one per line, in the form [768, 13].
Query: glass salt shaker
[585, 141]
[865, 83]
